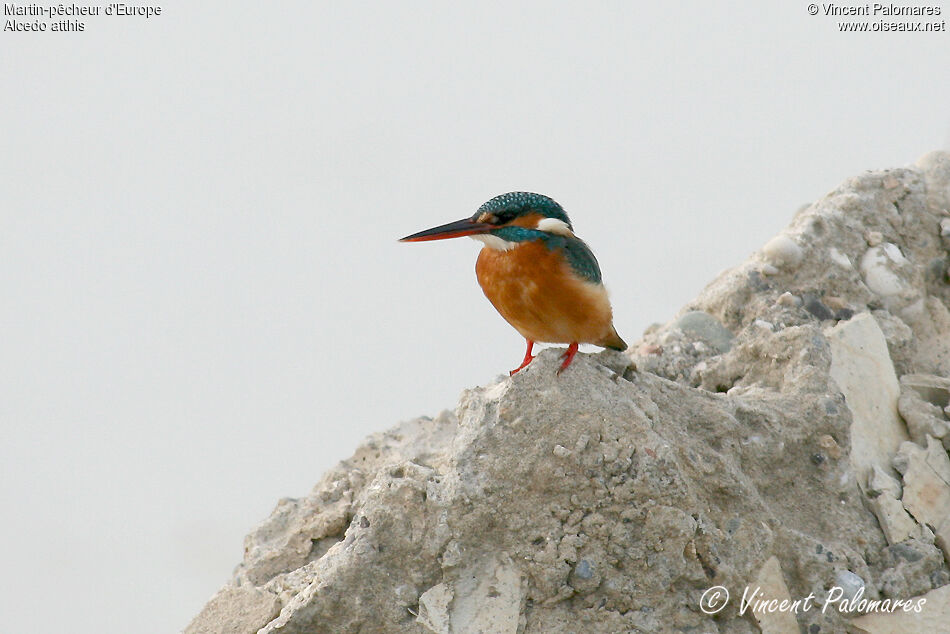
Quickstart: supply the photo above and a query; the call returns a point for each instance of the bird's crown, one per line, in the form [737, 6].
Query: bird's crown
[505, 208]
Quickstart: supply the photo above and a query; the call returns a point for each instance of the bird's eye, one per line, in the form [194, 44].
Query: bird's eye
[503, 217]
[497, 217]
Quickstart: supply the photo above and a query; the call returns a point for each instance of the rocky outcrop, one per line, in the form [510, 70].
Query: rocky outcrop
[785, 437]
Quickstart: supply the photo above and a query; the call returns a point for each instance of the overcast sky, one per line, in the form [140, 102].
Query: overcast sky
[204, 303]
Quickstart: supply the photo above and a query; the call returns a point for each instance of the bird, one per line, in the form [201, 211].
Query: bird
[537, 273]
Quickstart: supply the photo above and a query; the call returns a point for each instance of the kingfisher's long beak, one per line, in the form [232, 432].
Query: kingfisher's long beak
[457, 229]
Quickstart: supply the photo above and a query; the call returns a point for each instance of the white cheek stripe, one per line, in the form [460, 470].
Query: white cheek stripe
[553, 225]
[494, 242]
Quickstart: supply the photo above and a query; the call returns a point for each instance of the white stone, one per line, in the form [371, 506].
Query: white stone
[488, 599]
[893, 252]
[840, 258]
[782, 252]
[434, 609]
[789, 300]
[850, 583]
[878, 275]
[862, 368]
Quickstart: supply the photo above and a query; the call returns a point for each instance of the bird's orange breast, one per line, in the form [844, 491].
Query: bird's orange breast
[535, 290]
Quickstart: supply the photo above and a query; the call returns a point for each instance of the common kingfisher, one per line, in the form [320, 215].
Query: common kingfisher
[542, 278]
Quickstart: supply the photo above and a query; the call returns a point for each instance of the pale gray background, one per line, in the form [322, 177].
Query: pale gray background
[204, 305]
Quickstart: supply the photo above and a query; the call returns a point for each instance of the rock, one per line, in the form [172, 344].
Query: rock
[901, 342]
[929, 318]
[485, 598]
[236, 609]
[933, 389]
[884, 493]
[861, 367]
[751, 442]
[881, 483]
[933, 616]
[909, 568]
[650, 498]
[926, 495]
[923, 418]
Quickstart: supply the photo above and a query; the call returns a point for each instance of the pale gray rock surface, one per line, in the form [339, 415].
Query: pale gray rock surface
[787, 429]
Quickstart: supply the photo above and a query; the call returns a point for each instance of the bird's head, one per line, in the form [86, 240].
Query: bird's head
[505, 221]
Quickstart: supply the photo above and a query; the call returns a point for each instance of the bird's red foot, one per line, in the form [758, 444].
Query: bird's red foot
[568, 356]
[527, 359]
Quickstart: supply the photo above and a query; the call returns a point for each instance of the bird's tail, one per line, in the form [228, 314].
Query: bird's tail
[613, 340]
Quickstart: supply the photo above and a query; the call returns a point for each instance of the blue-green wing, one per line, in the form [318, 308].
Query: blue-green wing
[582, 260]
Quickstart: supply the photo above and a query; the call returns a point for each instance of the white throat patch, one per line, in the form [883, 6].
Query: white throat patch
[553, 225]
[494, 242]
